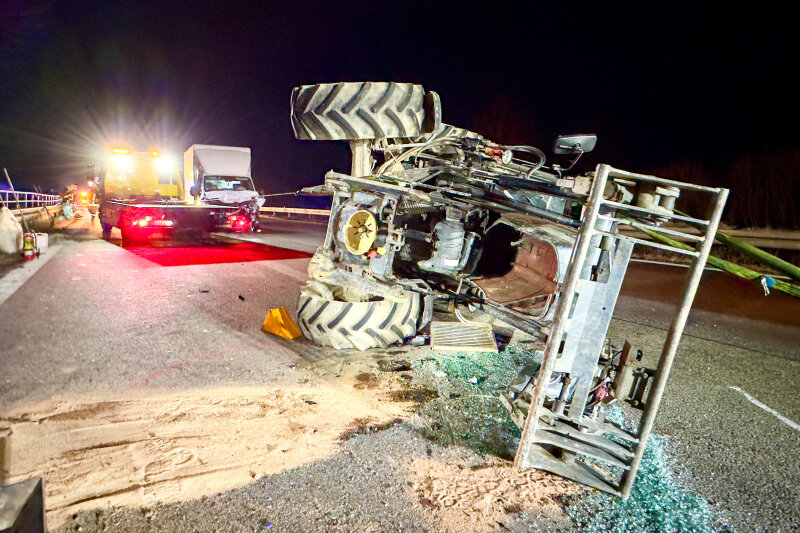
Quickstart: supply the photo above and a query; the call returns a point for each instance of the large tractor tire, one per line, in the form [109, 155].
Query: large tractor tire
[326, 319]
[358, 111]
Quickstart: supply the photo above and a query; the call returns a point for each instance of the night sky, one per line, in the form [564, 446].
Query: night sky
[658, 86]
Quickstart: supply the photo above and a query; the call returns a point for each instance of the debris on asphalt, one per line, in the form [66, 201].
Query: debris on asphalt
[463, 337]
[394, 365]
[474, 418]
[419, 340]
[658, 501]
[472, 497]
[279, 323]
[366, 380]
[241, 297]
[263, 524]
[367, 425]
[467, 410]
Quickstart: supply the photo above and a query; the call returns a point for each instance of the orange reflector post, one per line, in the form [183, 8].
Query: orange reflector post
[279, 323]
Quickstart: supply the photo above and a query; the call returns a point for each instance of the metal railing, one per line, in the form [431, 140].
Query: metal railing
[288, 211]
[15, 200]
[763, 238]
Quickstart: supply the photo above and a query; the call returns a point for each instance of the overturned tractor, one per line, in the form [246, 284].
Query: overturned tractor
[434, 214]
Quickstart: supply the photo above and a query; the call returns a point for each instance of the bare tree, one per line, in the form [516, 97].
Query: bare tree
[765, 189]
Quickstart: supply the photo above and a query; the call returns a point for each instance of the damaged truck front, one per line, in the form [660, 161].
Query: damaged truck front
[434, 214]
[144, 195]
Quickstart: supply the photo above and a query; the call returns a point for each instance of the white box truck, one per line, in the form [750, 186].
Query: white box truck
[218, 174]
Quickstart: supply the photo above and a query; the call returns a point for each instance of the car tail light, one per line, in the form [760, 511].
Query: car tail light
[239, 222]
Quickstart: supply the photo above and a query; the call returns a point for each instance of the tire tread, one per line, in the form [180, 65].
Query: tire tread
[357, 110]
[360, 325]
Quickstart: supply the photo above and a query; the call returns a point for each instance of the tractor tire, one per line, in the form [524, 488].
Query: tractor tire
[358, 111]
[330, 321]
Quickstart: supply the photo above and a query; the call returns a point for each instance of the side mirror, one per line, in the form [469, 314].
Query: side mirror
[574, 144]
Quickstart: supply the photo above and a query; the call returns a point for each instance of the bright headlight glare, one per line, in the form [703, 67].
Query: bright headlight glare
[122, 161]
[165, 164]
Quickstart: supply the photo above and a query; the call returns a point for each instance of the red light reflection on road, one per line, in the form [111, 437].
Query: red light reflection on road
[244, 252]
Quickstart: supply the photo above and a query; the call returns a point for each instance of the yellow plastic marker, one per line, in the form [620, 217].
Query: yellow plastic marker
[278, 322]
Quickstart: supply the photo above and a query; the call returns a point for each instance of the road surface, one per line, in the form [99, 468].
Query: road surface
[97, 318]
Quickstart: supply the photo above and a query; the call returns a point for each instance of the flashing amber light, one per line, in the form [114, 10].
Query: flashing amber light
[123, 151]
[84, 193]
[154, 153]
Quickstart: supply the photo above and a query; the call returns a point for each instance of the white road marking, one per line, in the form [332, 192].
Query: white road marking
[792, 424]
[16, 277]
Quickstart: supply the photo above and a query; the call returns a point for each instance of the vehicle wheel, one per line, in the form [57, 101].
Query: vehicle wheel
[327, 319]
[357, 110]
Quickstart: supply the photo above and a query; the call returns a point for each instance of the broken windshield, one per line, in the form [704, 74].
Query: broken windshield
[227, 183]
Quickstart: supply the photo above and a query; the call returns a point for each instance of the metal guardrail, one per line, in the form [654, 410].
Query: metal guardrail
[289, 211]
[15, 200]
[34, 210]
[763, 238]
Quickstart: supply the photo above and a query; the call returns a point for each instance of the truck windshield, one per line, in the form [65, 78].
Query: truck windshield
[227, 183]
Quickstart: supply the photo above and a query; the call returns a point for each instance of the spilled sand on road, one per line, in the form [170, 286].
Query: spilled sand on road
[477, 498]
[150, 449]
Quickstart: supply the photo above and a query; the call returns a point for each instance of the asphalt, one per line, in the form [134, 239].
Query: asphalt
[737, 455]
[99, 317]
